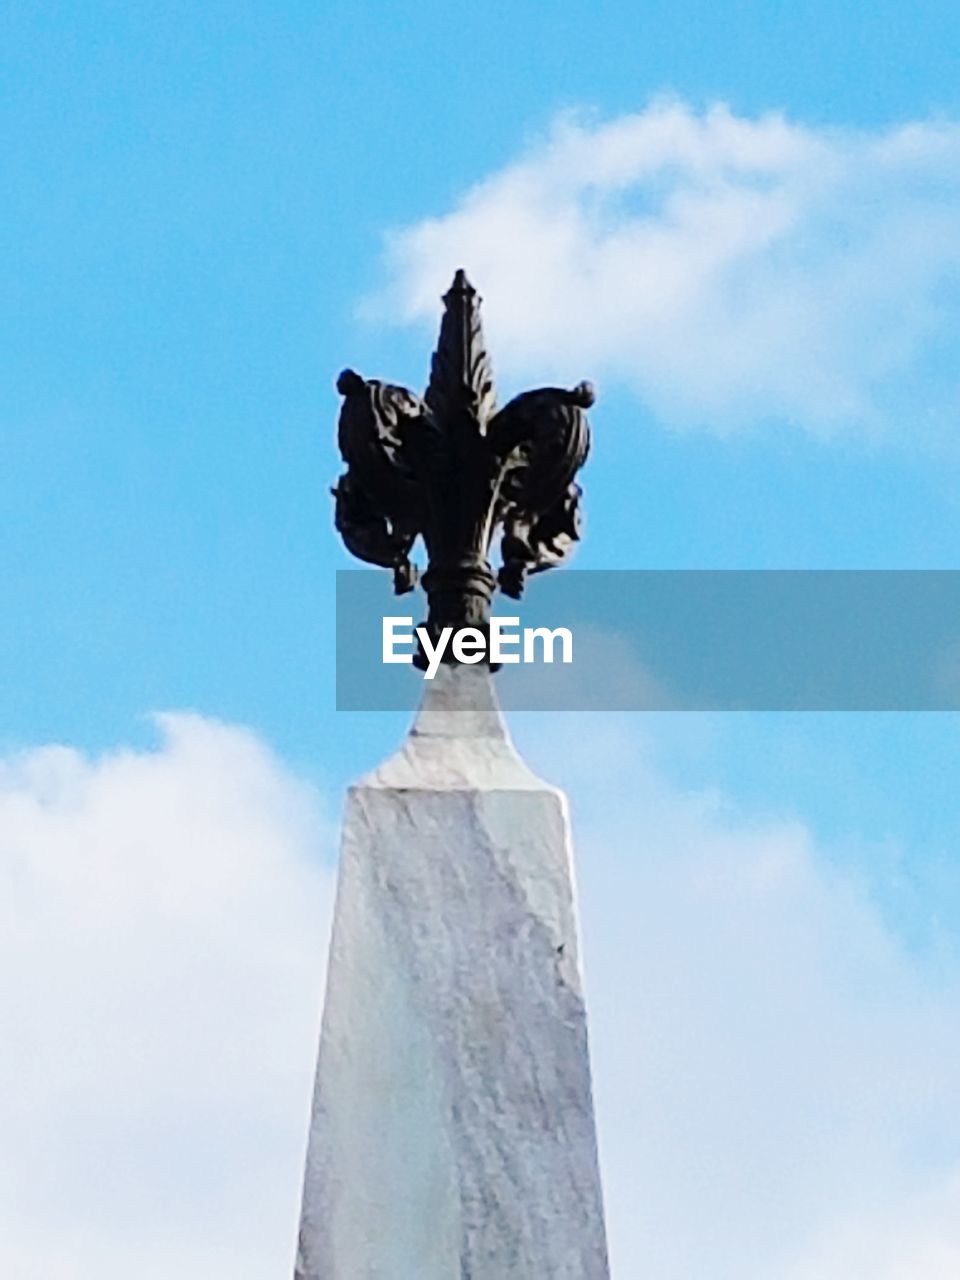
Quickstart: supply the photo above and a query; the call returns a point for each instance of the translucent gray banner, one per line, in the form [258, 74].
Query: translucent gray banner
[660, 640]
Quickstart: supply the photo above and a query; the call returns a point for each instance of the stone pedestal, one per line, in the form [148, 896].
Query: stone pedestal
[452, 1134]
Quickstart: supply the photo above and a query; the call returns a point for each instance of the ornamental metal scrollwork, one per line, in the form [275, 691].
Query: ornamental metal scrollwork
[452, 469]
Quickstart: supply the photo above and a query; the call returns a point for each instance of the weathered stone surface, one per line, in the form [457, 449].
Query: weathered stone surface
[453, 1133]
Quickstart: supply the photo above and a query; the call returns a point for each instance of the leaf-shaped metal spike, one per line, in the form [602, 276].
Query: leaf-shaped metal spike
[461, 375]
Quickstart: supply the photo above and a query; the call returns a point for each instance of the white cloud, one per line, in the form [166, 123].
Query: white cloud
[729, 270]
[920, 1240]
[163, 921]
[776, 1075]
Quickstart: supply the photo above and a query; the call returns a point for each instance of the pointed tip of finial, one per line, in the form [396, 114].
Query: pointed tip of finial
[461, 284]
[461, 380]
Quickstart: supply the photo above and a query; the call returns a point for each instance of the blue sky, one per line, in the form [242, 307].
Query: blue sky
[195, 206]
[741, 221]
[194, 218]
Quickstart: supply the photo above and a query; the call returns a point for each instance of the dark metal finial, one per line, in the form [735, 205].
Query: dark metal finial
[452, 469]
[461, 376]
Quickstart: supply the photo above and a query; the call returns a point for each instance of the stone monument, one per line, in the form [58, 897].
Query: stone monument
[452, 1134]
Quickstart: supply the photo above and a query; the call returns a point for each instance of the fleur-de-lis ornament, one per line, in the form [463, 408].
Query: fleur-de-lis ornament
[453, 469]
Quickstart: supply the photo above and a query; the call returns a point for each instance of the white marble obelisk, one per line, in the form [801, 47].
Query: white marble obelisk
[453, 1134]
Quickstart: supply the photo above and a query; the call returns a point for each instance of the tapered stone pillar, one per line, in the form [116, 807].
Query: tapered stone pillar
[453, 1133]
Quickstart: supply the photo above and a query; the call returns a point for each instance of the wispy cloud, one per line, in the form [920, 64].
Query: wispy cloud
[776, 1081]
[163, 921]
[730, 270]
[775, 1070]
